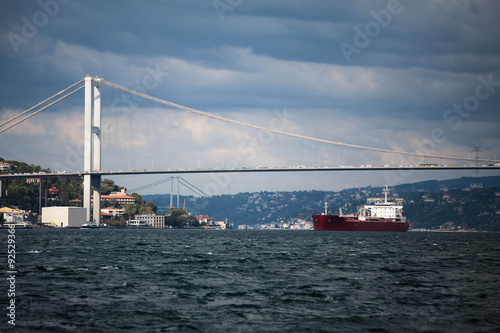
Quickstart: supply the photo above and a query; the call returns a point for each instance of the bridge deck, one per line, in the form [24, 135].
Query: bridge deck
[241, 170]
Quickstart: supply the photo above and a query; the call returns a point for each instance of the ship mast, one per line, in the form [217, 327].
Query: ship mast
[386, 190]
[326, 208]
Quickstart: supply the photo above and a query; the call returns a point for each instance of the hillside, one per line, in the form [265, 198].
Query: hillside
[455, 183]
[25, 193]
[429, 204]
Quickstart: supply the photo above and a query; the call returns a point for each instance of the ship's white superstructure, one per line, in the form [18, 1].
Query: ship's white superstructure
[383, 209]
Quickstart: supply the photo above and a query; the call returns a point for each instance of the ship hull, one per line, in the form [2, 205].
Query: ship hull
[342, 223]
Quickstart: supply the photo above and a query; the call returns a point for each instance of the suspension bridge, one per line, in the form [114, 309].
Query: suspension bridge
[92, 166]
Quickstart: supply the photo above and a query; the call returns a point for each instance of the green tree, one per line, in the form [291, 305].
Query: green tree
[130, 209]
[108, 186]
[177, 218]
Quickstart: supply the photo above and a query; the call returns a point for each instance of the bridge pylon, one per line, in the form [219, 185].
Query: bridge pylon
[92, 148]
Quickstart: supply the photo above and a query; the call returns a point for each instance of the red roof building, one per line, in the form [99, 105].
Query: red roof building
[4, 166]
[53, 191]
[120, 197]
[206, 219]
[112, 211]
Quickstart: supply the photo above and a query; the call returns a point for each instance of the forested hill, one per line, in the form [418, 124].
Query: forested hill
[456, 183]
[431, 204]
[25, 193]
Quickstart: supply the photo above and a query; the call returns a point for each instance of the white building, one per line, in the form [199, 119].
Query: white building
[302, 225]
[64, 217]
[19, 218]
[137, 223]
[222, 224]
[209, 221]
[152, 220]
[33, 180]
[114, 212]
[4, 166]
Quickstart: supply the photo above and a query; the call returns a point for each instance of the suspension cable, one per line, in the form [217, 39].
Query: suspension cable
[236, 122]
[181, 180]
[41, 103]
[153, 184]
[38, 111]
[192, 187]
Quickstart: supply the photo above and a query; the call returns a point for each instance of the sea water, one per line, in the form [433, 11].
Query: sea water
[112, 280]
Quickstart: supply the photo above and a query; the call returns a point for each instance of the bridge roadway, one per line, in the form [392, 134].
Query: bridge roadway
[257, 169]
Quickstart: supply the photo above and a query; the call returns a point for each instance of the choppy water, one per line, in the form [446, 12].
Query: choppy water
[254, 281]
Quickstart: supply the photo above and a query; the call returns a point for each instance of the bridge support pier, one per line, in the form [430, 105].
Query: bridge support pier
[87, 196]
[96, 184]
[92, 149]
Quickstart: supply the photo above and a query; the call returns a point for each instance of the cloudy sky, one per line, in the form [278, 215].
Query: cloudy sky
[416, 76]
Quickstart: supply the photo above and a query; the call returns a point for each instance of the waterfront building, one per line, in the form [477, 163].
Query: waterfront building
[137, 223]
[112, 212]
[20, 218]
[222, 225]
[302, 225]
[209, 221]
[64, 217]
[152, 220]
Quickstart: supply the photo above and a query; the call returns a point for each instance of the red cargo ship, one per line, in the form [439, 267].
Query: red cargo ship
[380, 214]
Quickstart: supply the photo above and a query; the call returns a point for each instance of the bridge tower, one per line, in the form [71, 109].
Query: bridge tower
[92, 148]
